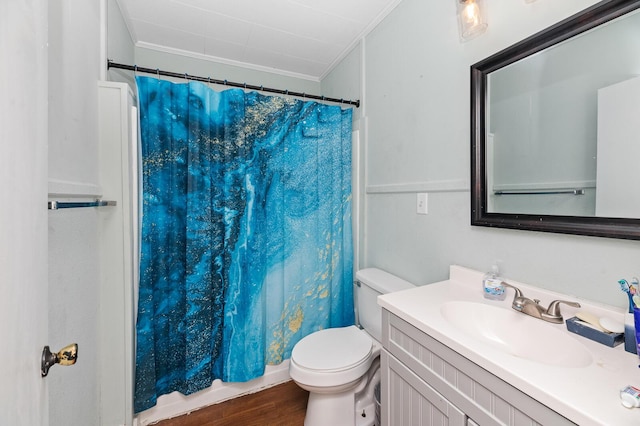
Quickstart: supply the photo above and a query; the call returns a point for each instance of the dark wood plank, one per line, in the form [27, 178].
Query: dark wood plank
[281, 405]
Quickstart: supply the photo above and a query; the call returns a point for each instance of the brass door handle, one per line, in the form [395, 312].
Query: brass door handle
[66, 356]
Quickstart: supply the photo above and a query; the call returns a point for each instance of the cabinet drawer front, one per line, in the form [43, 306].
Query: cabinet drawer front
[409, 401]
[485, 398]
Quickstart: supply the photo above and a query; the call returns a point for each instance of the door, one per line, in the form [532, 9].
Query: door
[407, 400]
[23, 214]
[617, 179]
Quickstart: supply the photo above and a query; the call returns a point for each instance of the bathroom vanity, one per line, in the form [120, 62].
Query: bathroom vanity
[452, 357]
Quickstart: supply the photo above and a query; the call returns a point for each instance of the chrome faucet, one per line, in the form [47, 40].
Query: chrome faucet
[534, 309]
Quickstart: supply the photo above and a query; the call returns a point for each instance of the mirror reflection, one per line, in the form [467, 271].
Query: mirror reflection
[563, 127]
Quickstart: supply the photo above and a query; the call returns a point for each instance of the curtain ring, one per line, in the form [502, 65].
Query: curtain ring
[135, 69]
[225, 81]
[158, 73]
[186, 76]
[209, 82]
[245, 85]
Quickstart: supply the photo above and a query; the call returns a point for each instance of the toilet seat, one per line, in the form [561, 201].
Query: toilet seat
[333, 349]
[332, 357]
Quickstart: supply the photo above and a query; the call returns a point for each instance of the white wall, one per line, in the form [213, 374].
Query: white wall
[416, 93]
[74, 69]
[118, 236]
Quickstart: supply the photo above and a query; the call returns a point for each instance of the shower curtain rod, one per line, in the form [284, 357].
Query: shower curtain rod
[159, 72]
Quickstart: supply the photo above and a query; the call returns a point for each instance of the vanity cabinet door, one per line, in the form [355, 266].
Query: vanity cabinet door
[407, 400]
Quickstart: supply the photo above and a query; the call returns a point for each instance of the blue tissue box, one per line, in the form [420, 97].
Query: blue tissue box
[574, 325]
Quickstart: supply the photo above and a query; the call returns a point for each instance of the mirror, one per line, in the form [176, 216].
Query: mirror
[555, 128]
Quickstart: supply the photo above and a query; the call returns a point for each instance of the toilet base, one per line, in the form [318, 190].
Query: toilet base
[366, 414]
[339, 410]
[330, 409]
[353, 405]
[365, 400]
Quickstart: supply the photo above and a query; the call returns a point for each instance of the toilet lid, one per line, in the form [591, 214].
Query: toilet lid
[333, 349]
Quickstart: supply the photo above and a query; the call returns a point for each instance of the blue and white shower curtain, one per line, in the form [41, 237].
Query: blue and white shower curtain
[246, 233]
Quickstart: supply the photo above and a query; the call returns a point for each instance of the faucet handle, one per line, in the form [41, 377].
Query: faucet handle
[554, 308]
[516, 289]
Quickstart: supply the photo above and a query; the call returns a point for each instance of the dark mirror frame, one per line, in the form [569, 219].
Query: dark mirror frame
[595, 15]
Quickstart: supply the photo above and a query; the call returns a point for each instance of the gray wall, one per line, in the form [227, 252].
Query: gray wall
[180, 63]
[120, 47]
[74, 69]
[413, 75]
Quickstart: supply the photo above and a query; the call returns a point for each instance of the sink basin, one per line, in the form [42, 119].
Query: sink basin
[516, 334]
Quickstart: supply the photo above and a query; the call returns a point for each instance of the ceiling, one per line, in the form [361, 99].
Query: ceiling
[300, 38]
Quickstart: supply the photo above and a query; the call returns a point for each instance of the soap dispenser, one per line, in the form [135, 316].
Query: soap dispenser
[493, 288]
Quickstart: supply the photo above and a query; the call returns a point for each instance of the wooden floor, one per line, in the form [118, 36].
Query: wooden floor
[282, 405]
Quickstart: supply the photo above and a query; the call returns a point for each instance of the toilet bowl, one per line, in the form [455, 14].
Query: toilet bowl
[340, 366]
[332, 364]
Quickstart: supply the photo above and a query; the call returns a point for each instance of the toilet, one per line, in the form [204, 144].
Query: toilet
[340, 367]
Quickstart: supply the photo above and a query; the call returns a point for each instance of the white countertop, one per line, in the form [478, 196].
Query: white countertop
[585, 395]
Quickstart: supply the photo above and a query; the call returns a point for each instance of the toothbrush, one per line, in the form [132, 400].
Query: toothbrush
[624, 286]
[635, 291]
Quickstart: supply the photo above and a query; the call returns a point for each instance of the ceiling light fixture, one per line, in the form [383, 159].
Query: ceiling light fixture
[471, 18]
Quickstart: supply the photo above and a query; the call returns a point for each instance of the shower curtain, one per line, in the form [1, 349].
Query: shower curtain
[246, 233]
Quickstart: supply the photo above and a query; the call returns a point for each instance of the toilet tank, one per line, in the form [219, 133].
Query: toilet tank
[370, 283]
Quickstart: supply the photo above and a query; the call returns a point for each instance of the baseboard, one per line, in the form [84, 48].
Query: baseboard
[176, 404]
